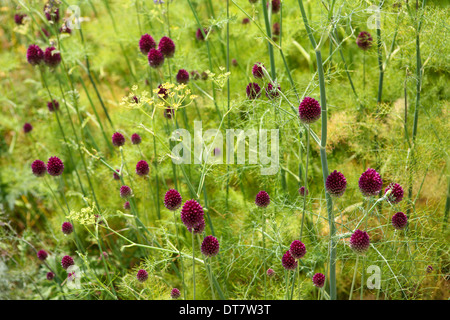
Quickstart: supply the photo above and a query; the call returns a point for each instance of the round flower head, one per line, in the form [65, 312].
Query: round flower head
[35, 55]
[166, 47]
[172, 200]
[191, 214]
[42, 255]
[195, 75]
[125, 191]
[272, 92]
[276, 29]
[50, 275]
[210, 246]
[53, 105]
[399, 220]
[199, 34]
[245, 21]
[198, 229]
[364, 40]
[136, 139]
[303, 191]
[55, 166]
[257, 70]
[318, 280]
[51, 58]
[288, 262]
[262, 199]
[115, 175]
[396, 194]
[67, 261]
[309, 110]
[297, 249]
[276, 5]
[142, 275]
[168, 112]
[175, 293]
[27, 127]
[370, 183]
[38, 168]
[182, 76]
[155, 58]
[336, 184]
[359, 241]
[67, 228]
[253, 90]
[18, 18]
[146, 43]
[142, 168]
[270, 273]
[118, 139]
[126, 205]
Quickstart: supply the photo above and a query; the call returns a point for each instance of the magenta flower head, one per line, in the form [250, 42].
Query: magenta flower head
[370, 183]
[288, 262]
[51, 58]
[318, 280]
[396, 194]
[309, 110]
[115, 175]
[142, 275]
[303, 191]
[245, 21]
[126, 205]
[234, 62]
[38, 168]
[297, 249]
[142, 168]
[270, 273]
[55, 166]
[191, 214]
[336, 184]
[18, 18]
[27, 127]
[118, 139]
[50, 275]
[276, 5]
[146, 43]
[359, 241]
[182, 76]
[364, 40]
[155, 58]
[172, 200]
[125, 191]
[67, 228]
[67, 261]
[210, 246]
[166, 47]
[53, 105]
[399, 220]
[42, 255]
[35, 55]
[175, 293]
[272, 92]
[198, 229]
[276, 29]
[135, 138]
[199, 34]
[262, 199]
[253, 90]
[257, 70]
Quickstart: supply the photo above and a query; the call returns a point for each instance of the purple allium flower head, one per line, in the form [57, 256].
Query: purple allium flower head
[276, 5]
[162, 92]
[118, 139]
[38, 168]
[309, 110]
[257, 70]
[262, 199]
[35, 55]
[318, 280]
[182, 76]
[50, 275]
[336, 184]
[142, 275]
[125, 191]
[359, 241]
[199, 34]
[198, 229]
[270, 273]
[166, 47]
[195, 75]
[27, 127]
[234, 62]
[142, 168]
[172, 200]
[191, 214]
[67, 228]
[115, 175]
[175, 293]
[253, 90]
[396, 194]
[135, 138]
[155, 58]
[67, 261]
[51, 58]
[276, 29]
[272, 92]
[399, 220]
[126, 205]
[303, 191]
[210, 246]
[53, 105]
[288, 262]
[42, 255]
[168, 112]
[55, 166]
[245, 21]
[51, 13]
[297, 249]
[18, 18]
[146, 43]
[370, 183]
[364, 40]
[429, 269]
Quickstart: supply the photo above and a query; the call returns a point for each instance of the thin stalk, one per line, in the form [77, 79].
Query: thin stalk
[193, 263]
[354, 278]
